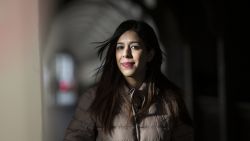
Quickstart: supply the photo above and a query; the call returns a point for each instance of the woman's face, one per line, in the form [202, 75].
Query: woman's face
[131, 55]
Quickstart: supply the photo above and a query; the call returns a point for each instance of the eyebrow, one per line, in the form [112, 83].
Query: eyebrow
[130, 42]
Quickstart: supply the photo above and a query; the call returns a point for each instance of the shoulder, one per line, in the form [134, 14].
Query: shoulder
[172, 96]
[170, 90]
[86, 99]
[90, 92]
[167, 88]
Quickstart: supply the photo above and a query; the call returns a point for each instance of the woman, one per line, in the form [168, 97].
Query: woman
[133, 100]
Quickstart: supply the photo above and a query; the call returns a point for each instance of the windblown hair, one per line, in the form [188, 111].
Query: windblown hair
[107, 102]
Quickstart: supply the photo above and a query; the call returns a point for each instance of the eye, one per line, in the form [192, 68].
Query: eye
[135, 46]
[119, 47]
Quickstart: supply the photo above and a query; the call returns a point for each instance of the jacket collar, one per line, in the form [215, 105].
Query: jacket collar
[142, 89]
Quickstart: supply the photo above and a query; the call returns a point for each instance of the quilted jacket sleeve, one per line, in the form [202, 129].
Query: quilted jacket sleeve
[82, 126]
[183, 124]
[182, 132]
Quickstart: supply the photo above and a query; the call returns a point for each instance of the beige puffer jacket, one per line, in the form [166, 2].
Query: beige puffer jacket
[153, 127]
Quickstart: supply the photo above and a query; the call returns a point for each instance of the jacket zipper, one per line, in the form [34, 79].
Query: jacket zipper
[137, 128]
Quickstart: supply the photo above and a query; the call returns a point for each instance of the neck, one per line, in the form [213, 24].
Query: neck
[133, 82]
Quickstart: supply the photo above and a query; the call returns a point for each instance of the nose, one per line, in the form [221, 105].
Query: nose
[127, 52]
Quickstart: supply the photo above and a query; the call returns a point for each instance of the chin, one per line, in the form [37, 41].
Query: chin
[128, 74]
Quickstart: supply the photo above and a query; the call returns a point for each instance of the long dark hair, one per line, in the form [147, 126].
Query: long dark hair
[108, 100]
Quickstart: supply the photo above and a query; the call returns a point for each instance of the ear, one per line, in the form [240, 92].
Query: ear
[151, 55]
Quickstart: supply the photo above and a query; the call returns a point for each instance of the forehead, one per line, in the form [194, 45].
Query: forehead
[129, 36]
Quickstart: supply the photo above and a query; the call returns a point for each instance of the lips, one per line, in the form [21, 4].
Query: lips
[128, 65]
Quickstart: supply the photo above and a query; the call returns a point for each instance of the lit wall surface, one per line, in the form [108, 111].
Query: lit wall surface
[20, 90]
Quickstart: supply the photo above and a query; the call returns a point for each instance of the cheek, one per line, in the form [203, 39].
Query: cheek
[143, 60]
[141, 57]
[117, 56]
[138, 55]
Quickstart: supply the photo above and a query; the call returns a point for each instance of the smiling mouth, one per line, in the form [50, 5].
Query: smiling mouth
[128, 65]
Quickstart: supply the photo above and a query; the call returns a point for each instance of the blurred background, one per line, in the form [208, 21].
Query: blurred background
[48, 59]
[200, 59]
